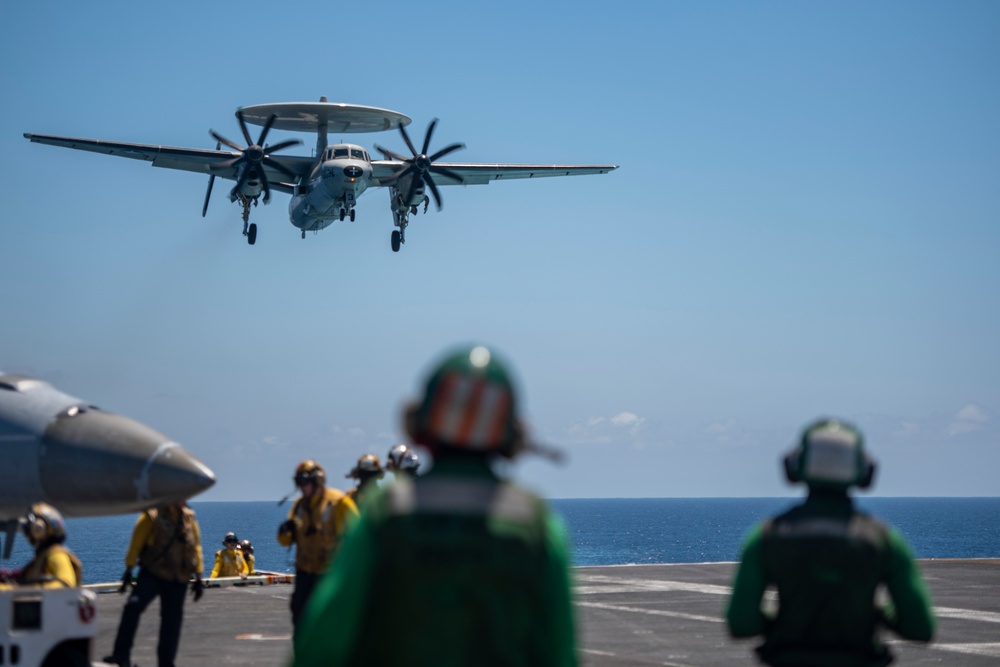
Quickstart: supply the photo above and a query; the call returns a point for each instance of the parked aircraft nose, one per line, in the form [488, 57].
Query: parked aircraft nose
[93, 462]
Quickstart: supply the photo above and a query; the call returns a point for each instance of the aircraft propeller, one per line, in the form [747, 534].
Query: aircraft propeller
[253, 155]
[421, 164]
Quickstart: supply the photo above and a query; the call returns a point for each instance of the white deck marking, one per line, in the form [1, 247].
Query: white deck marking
[651, 612]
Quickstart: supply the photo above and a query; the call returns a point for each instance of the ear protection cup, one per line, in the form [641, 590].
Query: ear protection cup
[36, 528]
[867, 473]
[793, 465]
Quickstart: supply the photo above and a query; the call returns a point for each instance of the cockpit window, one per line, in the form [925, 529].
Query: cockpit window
[340, 152]
[74, 410]
[357, 153]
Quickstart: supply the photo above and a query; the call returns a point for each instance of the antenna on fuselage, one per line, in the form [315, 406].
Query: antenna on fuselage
[321, 125]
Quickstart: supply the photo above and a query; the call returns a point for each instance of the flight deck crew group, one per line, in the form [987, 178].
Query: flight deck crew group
[463, 567]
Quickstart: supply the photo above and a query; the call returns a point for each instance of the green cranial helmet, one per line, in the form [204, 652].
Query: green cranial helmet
[468, 404]
[830, 454]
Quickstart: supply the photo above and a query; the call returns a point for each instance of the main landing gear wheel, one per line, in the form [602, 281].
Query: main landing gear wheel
[395, 240]
[303, 233]
[252, 233]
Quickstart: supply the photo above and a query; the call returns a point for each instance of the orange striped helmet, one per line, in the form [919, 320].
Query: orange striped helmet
[468, 404]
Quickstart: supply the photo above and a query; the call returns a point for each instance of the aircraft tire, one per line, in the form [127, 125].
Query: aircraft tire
[343, 213]
[352, 215]
[252, 233]
[395, 240]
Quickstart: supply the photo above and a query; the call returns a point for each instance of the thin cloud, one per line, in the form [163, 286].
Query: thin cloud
[969, 419]
[622, 428]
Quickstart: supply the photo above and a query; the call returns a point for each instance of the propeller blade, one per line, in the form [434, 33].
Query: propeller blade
[396, 176]
[434, 190]
[208, 195]
[444, 151]
[411, 190]
[389, 154]
[427, 136]
[243, 127]
[267, 127]
[444, 171]
[211, 182]
[222, 140]
[277, 166]
[406, 138]
[218, 166]
[282, 145]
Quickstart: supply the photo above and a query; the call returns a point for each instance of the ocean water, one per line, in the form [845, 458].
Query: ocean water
[600, 531]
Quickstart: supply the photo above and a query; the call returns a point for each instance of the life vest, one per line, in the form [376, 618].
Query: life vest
[320, 528]
[827, 567]
[228, 563]
[472, 554]
[39, 572]
[171, 552]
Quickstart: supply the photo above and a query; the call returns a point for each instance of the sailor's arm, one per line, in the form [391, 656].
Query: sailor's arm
[59, 566]
[910, 614]
[287, 530]
[140, 536]
[744, 616]
[560, 635]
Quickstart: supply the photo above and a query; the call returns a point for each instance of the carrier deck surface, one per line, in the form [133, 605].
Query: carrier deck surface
[627, 615]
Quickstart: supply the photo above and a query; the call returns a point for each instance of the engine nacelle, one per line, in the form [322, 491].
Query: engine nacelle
[251, 187]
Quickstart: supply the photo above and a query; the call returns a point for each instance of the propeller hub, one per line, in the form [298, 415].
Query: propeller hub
[255, 153]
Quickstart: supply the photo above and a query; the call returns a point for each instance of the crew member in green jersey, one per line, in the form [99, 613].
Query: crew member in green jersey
[827, 559]
[456, 566]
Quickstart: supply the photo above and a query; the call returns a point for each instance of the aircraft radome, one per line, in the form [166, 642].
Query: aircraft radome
[82, 460]
[326, 187]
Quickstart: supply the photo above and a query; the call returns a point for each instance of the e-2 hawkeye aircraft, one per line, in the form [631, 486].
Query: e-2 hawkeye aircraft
[325, 187]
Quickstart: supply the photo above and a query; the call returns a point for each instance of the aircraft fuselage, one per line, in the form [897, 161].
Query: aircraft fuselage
[333, 189]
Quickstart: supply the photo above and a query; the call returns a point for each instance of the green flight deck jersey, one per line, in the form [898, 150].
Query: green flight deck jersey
[454, 567]
[827, 560]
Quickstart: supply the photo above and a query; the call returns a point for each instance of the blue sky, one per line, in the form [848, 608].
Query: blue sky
[805, 223]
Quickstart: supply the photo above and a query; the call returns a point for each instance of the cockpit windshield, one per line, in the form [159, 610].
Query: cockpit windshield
[352, 152]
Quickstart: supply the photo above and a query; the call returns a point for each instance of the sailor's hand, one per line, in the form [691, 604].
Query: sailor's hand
[287, 527]
[197, 588]
[126, 580]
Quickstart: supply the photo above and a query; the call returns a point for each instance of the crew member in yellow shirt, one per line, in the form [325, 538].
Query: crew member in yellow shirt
[54, 566]
[315, 525]
[229, 561]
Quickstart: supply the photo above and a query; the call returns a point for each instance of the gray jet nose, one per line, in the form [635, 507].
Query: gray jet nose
[94, 462]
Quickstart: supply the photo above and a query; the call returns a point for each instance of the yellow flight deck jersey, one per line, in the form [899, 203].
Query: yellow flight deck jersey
[166, 544]
[249, 560]
[54, 567]
[320, 522]
[229, 563]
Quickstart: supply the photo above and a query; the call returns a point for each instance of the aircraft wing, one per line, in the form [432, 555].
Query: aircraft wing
[481, 174]
[187, 159]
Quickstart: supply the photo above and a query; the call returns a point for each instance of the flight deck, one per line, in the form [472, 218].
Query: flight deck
[627, 615]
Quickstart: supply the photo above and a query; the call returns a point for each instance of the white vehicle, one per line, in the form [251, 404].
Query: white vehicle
[47, 627]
